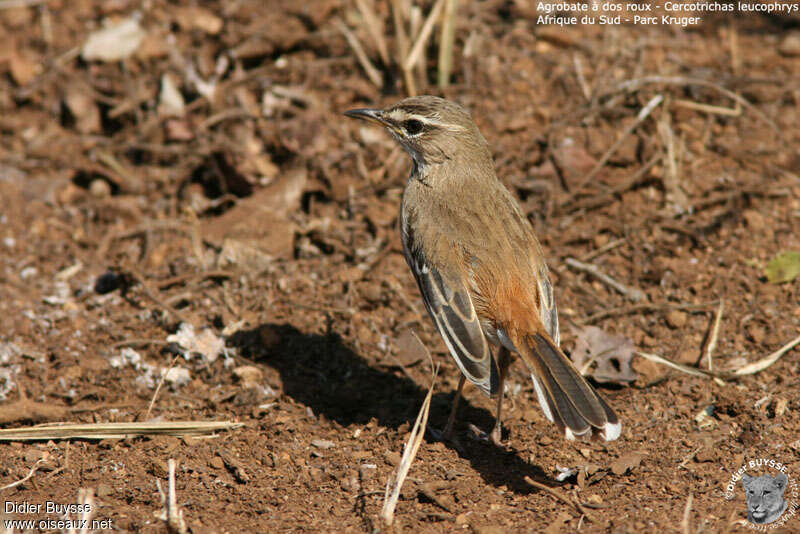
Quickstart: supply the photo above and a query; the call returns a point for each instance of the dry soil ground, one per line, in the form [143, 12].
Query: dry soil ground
[209, 178]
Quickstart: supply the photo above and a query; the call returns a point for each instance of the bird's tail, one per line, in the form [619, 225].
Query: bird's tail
[565, 396]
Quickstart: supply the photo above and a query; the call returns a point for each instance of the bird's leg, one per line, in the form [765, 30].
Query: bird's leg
[448, 430]
[503, 361]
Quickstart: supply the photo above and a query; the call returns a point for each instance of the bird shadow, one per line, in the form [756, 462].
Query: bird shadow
[323, 373]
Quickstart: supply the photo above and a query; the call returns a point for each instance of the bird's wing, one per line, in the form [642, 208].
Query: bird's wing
[548, 312]
[449, 303]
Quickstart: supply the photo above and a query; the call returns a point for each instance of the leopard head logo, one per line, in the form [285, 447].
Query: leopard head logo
[765, 502]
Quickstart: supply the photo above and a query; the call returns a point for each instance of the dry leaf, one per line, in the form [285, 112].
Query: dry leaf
[114, 42]
[624, 463]
[608, 355]
[785, 267]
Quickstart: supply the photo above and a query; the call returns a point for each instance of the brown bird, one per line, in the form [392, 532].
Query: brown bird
[480, 268]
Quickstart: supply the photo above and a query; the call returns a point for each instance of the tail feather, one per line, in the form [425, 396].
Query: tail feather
[565, 396]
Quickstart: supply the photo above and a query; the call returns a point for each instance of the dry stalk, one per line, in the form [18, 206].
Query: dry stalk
[171, 514]
[424, 33]
[643, 114]
[375, 29]
[373, 73]
[632, 293]
[748, 369]
[26, 477]
[712, 341]
[395, 482]
[446, 42]
[59, 431]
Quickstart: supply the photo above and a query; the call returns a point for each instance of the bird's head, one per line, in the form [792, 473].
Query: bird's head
[431, 129]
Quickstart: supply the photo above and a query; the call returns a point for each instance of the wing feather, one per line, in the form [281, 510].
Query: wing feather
[448, 301]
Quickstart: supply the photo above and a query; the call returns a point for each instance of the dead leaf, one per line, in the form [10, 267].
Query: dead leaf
[198, 18]
[785, 267]
[114, 42]
[258, 229]
[170, 99]
[83, 109]
[608, 355]
[627, 462]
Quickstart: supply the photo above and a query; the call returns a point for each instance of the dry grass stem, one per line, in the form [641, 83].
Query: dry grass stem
[645, 307]
[375, 29]
[687, 514]
[85, 497]
[707, 108]
[158, 387]
[712, 341]
[26, 477]
[424, 33]
[395, 482]
[633, 85]
[749, 369]
[643, 114]
[611, 245]
[373, 73]
[59, 431]
[172, 514]
[632, 293]
[587, 93]
[559, 496]
[760, 365]
[446, 42]
[675, 195]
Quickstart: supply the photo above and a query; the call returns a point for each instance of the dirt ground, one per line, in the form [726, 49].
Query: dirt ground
[208, 179]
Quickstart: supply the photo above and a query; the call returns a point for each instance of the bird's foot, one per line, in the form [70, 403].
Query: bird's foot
[495, 436]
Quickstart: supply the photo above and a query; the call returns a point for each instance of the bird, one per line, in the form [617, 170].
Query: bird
[480, 268]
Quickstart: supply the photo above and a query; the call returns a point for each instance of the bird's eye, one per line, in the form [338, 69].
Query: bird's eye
[413, 126]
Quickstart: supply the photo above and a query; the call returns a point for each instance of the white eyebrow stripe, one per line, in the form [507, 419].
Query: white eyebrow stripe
[399, 115]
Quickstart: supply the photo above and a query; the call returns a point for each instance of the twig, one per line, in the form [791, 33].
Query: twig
[760, 365]
[558, 495]
[712, 341]
[587, 93]
[402, 47]
[611, 245]
[395, 482]
[632, 85]
[26, 477]
[375, 30]
[674, 194]
[687, 511]
[631, 293]
[158, 387]
[707, 108]
[630, 182]
[372, 73]
[643, 114]
[694, 371]
[149, 293]
[172, 514]
[646, 307]
[749, 369]
[424, 33]
[446, 42]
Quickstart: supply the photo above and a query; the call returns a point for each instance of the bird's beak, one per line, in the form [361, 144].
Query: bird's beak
[374, 115]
